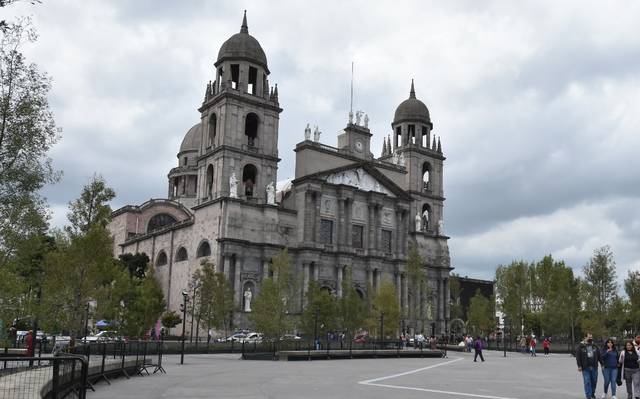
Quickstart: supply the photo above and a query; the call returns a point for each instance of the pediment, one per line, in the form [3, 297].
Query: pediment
[358, 178]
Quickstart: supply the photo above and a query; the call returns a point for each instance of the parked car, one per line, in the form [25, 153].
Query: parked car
[235, 337]
[289, 337]
[253, 337]
[103, 336]
[361, 338]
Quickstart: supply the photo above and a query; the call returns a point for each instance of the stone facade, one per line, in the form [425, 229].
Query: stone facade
[344, 207]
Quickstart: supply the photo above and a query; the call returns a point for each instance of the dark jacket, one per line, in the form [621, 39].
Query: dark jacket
[582, 356]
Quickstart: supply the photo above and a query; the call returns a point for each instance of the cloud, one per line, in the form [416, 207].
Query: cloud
[535, 102]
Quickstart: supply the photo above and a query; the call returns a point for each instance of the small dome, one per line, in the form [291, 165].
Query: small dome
[243, 46]
[192, 139]
[412, 109]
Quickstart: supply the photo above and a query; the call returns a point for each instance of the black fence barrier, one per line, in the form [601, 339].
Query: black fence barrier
[43, 376]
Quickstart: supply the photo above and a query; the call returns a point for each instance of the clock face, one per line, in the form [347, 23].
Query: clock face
[359, 146]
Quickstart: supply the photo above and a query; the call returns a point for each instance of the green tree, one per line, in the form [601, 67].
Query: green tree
[416, 278]
[632, 289]
[385, 304]
[170, 319]
[352, 309]
[321, 303]
[599, 290]
[214, 300]
[27, 132]
[482, 319]
[455, 291]
[136, 264]
[513, 287]
[273, 305]
[92, 208]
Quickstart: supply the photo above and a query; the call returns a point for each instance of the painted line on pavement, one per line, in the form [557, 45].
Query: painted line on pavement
[372, 382]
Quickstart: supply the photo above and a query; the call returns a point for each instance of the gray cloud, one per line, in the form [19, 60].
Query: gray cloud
[536, 103]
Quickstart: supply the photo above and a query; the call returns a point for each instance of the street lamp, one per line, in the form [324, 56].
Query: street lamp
[315, 330]
[86, 322]
[185, 299]
[382, 326]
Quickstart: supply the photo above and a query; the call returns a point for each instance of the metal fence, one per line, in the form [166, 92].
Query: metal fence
[45, 376]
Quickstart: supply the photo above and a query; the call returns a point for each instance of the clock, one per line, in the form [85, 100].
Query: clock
[359, 146]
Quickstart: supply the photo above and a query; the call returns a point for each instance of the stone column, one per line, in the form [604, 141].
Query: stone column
[236, 282]
[376, 275]
[405, 293]
[265, 269]
[317, 208]
[370, 277]
[447, 300]
[305, 283]
[339, 287]
[398, 233]
[440, 299]
[309, 218]
[371, 243]
[316, 272]
[399, 288]
[340, 219]
[377, 226]
[227, 267]
[348, 209]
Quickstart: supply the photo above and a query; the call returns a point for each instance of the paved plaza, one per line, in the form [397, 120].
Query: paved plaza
[456, 377]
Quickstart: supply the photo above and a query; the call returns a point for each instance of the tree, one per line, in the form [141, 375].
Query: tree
[632, 289]
[92, 208]
[455, 309]
[27, 132]
[272, 306]
[599, 289]
[416, 278]
[170, 319]
[214, 301]
[385, 305]
[482, 319]
[513, 287]
[352, 310]
[136, 264]
[321, 313]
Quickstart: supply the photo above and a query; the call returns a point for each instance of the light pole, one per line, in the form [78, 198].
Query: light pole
[315, 330]
[86, 322]
[193, 309]
[185, 299]
[382, 326]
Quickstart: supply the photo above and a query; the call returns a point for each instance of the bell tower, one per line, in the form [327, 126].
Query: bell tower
[239, 118]
[413, 141]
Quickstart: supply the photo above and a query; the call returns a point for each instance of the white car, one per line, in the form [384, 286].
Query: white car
[253, 337]
[102, 336]
[235, 337]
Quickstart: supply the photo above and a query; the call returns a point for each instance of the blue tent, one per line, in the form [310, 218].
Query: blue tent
[102, 324]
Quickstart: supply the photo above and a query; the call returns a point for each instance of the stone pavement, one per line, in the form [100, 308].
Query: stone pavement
[457, 377]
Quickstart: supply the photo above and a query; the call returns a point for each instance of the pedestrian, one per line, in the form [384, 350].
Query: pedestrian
[523, 344]
[477, 345]
[587, 358]
[546, 345]
[532, 346]
[609, 361]
[630, 371]
[433, 342]
[30, 344]
[469, 341]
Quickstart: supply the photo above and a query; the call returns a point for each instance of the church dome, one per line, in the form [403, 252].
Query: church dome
[192, 139]
[243, 46]
[412, 109]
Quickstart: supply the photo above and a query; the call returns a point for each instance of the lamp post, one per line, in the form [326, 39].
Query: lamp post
[382, 326]
[315, 330]
[185, 299]
[193, 308]
[86, 322]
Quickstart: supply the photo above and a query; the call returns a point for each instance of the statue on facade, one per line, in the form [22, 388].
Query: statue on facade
[418, 222]
[401, 160]
[396, 159]
[376, 187]
[350, 117]
[366, 121]
[440, 227]
[247, 299]
[233, 186]
[307, 132]
[271, 193]
[316, 134]
[358, 117]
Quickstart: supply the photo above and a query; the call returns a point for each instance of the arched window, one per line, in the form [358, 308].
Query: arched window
[425, 137]
[213, 126]
[159, 221]
[181, 255]
[426, 175]
[251, 128]
[203, 250]
[162, 259]
[249, 174]
[210, 181]
[426, 216]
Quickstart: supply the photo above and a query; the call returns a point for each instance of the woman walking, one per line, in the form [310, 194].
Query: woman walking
[609, 359]
[630, 372]
[546, 345]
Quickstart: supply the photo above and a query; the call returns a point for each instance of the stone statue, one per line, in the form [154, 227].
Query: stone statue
[247, 299]
[350, 117]
[271, 193]
[396, 160]
[233, 186]
[418, 222]
[366, 121]
[401, 160]
[307, 132]
[316, 134]
[440, 227]
[358, 117]
[376, 187]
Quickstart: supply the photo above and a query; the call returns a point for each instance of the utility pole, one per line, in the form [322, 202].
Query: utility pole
[185, 299]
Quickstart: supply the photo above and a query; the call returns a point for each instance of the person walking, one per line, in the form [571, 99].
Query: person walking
[587, 358]
[477, 346]
[523, 344]
[630, 371]
[609, 361]
[546, 345]
[469, 343]
[532, 346]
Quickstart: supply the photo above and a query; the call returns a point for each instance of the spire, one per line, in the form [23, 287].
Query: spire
[275, 93]
[439, 146]
[244, 28]
[389, 145]
[433, 146]
[412, 93]
[384, 146]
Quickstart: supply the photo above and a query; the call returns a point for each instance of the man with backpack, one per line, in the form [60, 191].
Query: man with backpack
[477, 346]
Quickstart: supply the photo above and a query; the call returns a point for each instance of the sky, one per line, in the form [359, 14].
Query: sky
[537, 104]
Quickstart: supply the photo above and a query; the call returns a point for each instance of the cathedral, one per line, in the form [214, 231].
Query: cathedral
[344, 208]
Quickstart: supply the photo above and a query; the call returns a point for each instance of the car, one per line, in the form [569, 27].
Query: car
[234, 337]
[361, 338]
[253, 337]
[290, 337]
[103, 336]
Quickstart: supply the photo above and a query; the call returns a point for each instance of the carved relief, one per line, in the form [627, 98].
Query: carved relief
[387, 217]
[328, 205]
[358, 211]
[358, 178]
